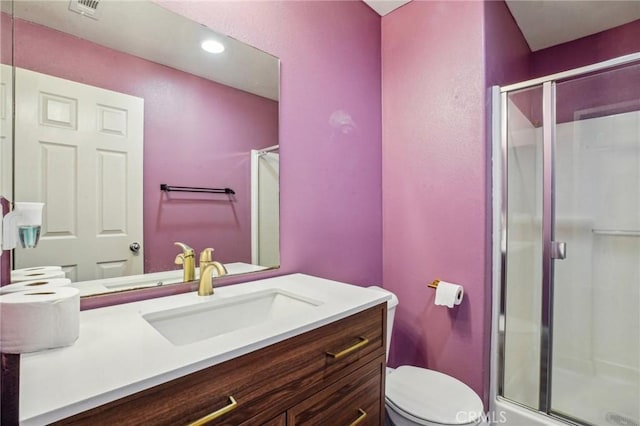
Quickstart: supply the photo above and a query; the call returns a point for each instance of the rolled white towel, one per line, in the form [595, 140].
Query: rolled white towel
[34, 269]
[32, 276]
[40, 285]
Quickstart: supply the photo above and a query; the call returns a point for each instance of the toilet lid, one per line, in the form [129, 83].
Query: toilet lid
[432, 396]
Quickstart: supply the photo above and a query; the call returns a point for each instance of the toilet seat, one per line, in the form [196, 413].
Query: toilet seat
[427, 397]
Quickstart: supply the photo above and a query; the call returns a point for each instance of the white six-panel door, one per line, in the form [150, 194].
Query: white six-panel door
[79, 150]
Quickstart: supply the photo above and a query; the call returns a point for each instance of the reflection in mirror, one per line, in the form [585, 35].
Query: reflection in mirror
[110, 106]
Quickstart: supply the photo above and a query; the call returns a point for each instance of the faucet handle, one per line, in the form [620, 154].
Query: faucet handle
[206, 256]
[186, 250]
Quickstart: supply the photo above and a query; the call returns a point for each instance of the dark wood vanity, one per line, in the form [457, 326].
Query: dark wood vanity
[333, 375]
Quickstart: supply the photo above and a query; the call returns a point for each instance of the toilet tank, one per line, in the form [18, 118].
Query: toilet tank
[391, 312]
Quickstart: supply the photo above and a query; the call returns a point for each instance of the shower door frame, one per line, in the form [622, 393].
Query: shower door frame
[498, 122]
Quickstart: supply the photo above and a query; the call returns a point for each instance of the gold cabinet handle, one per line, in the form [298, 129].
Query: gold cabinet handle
[363, 415]
[209, 417]
[363, 342]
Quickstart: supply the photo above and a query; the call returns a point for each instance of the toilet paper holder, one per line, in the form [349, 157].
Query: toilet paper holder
[434, 284]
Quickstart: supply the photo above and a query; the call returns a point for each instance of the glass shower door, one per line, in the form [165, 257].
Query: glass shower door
[523, 256]
[569, 323]
[595, 369]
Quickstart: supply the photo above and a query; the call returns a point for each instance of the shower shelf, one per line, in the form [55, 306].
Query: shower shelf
[617, 232]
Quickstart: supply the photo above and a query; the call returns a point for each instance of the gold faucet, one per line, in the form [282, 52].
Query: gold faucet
[205, 288]
[188, 262]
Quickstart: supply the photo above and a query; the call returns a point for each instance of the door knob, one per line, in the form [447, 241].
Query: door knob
[134, 247]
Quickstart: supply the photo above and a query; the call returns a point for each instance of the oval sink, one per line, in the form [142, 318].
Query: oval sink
[189, 324]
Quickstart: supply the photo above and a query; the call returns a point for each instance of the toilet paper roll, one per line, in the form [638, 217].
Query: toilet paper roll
[32, 276]
[36, 320]
[35, 285]
[448, 294]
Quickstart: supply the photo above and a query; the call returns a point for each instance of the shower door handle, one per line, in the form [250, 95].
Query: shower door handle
[558, 250]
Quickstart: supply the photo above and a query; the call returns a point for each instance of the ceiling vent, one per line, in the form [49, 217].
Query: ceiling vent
[87, 8]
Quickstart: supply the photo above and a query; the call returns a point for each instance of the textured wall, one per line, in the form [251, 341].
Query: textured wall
[331, 164]
[438, 60]
[507, 55]
[196, 133]
[434, 183]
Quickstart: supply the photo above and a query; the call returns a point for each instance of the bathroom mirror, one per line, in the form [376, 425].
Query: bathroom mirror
[114, 99]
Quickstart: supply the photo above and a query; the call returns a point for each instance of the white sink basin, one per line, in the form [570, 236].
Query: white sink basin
[193, 323]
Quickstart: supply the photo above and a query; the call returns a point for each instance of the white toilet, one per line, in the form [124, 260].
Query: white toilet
[417, 396]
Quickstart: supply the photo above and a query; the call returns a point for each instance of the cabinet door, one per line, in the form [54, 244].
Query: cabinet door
[356, 399]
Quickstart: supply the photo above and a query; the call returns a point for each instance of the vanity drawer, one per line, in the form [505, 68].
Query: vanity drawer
[265, 382]
[354, 400]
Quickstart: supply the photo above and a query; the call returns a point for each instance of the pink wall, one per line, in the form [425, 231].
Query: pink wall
[507, 55]
[330, 180]
[438, 60]
[434, 183]
[196, 133]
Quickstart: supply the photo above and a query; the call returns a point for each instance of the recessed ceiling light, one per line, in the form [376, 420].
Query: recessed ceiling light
[212, 46]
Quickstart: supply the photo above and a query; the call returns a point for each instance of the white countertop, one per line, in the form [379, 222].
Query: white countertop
[119, 353]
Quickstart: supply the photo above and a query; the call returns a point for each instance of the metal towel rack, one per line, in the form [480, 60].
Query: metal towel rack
[169, 188]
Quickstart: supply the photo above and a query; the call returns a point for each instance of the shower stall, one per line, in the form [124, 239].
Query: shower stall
[566, 317]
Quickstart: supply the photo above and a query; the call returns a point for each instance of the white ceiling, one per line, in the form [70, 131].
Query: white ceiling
[385, 6]
[545, 23]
